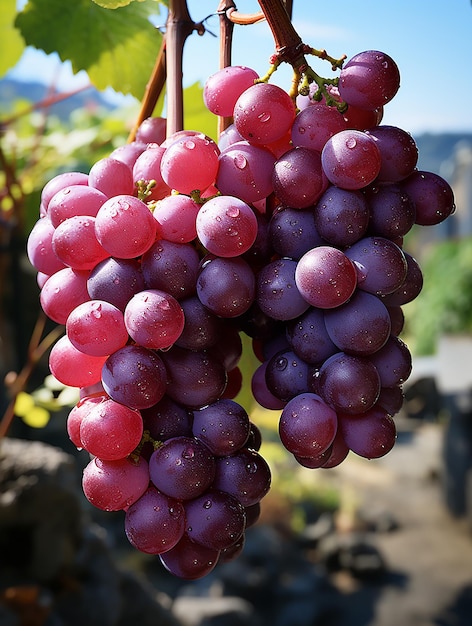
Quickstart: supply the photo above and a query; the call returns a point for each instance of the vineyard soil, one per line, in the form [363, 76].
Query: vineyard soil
[428, 554]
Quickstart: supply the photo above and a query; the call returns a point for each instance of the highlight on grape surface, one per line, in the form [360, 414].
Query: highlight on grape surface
[288, 228]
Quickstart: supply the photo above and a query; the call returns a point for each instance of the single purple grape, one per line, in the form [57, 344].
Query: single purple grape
[155, 523]
[307, 425]
[182, 467]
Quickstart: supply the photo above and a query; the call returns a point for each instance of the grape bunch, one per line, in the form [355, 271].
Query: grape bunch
[288, 230]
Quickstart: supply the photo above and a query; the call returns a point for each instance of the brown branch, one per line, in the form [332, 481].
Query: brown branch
[244, 19]
[153, 90]
[178, 27]
[226, 44]
[37, 348]
[288, 43]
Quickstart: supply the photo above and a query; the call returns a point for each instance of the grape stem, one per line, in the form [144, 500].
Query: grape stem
[179, 26]
[289, 48]
[38, 346]
[168, 69]
[146, 438]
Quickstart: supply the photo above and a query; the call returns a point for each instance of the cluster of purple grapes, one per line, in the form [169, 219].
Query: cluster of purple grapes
[290, 231]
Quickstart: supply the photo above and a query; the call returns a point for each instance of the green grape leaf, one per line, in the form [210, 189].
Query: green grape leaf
[38, 417]
[24, 403]
[196, 115]
[116, 48]
[12, 41]
[116, 4]
[112, 4]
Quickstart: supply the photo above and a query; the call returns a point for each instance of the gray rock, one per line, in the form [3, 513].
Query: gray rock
[46, 541]
[310, 536]
[40, 515]
[220, 611]
[353, 553]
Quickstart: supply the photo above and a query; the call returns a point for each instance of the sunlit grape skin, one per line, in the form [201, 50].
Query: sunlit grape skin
[299, 178]
[226, 226]
[111, 431]
[190, 163]
[351, 159]
[369, 80]
[125, 227]
[263, 113]
[223, 88]
[74, 200]
[315, 124]
[75, 243]
[96, 327]
[39, 248]
[60, 181]
[245, 171]
[73, 367]
[112, 177]
[154, 319]
[62, 292]
[325, 277]
[134, 376]
[115, 485]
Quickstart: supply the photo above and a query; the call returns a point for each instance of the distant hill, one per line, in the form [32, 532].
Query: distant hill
[11, 90]
[435, 149]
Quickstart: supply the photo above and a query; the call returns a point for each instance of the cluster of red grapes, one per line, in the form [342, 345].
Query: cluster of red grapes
[289, 230]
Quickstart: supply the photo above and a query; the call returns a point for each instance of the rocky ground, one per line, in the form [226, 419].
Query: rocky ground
[391, 555]
[427, 552]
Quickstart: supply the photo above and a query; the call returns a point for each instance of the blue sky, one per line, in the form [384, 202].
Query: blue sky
[431, 41]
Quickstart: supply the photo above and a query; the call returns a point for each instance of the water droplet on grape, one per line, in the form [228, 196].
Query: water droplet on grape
[97, 311]
[240, 161]
[188, 453]
[281, 364]
[264, 117]
[190, 145]
[233, 211]
[351, 142]
[251, 468]
[207, 504]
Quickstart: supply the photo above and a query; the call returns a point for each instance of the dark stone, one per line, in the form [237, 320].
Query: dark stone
[40, 514]
[311, 535]
[352, 553]
[48, 545]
